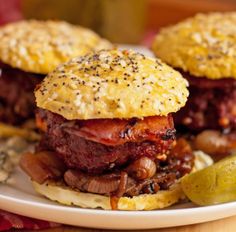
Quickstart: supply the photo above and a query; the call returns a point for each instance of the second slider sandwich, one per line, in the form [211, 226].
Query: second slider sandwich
[108, 131]
[203, 49]
[28, 51]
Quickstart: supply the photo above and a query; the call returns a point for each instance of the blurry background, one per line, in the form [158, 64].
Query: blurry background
[121, 21]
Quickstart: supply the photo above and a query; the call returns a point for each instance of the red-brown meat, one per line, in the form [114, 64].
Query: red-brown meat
[17, 101]
[211, 105]
[102, 148]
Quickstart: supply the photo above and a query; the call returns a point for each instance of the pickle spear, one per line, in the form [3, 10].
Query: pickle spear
[212, 185]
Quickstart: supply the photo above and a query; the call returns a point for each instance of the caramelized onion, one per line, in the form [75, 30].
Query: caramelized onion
[102, 185]
[212, 142]
[42, 166]
[105, 184]
[114, 200]
[121, 191]
[142, 168]
[122, 185]
[215, 143]
[181, 148]
[179, 161]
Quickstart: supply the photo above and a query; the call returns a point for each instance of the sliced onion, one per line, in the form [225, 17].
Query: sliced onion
[106, 184]
[42, 166]
[212, 142]
[122, 185]
[142, 168]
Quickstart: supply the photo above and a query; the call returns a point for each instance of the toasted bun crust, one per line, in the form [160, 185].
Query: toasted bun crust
[112, 84]
[161, 199]
[204, 46]
[66, 196]
[40, 46]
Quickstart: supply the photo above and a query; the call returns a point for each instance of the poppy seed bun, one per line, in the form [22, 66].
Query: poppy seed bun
[39, 46]
[204, 46]
[112, 84]
[159, 200]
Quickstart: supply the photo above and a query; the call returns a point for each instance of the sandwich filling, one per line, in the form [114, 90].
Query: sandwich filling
[112, 157]
[211, 104]
[17, 101]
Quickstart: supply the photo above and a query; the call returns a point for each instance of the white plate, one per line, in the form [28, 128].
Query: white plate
[19, 197]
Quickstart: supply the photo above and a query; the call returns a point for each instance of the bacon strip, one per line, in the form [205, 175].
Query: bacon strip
[113, 132]
[116, 132]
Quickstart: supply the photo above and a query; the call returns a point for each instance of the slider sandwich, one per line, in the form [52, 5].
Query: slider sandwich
[108, 133]
[203, 50]
[28, 51]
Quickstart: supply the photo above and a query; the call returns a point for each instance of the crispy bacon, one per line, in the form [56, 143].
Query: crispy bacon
[112, 132]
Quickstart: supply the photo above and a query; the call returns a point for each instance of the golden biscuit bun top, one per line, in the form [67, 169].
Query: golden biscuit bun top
[40, 46]
[204, 46]
[112, 84]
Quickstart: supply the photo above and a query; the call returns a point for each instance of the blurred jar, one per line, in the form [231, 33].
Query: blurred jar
[120, 21]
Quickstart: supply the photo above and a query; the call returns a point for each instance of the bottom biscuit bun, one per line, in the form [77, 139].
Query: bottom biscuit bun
[67, 196]
[162, 199]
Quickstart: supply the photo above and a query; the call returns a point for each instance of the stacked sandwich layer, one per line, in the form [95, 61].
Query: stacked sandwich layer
[28, 51]
[108, 129]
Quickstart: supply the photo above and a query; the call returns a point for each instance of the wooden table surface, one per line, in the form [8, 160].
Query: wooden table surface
[223, 225]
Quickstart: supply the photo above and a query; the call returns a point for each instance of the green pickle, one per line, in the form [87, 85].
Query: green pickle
[212, 185]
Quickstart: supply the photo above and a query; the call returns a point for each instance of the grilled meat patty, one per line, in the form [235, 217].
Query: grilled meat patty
[211, 105]
[95, 146]
[17, 101]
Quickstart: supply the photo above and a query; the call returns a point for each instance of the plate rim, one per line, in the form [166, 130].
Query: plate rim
[119, 212]
[118, 215]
